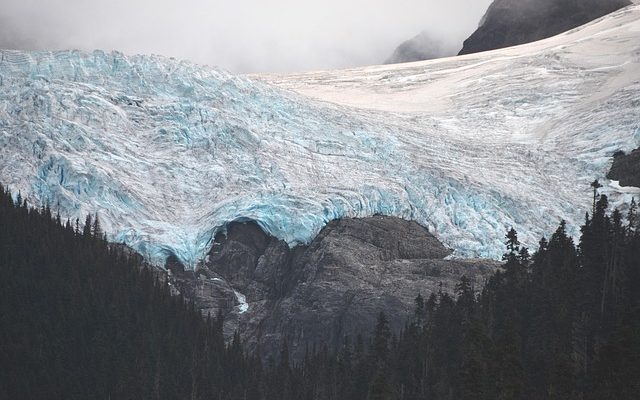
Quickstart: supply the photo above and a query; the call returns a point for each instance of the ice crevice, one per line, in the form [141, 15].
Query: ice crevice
[168, 152]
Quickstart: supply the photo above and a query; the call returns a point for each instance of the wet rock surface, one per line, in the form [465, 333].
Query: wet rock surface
[328, 290]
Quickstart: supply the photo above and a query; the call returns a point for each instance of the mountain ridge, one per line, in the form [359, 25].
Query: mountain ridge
[509, 23]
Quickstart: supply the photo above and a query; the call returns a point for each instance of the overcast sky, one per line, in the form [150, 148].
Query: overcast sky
[239, 35]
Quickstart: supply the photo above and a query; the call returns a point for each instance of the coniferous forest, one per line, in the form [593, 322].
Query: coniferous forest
[81, 318]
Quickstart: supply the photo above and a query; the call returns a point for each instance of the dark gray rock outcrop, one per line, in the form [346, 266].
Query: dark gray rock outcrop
[421, 47]
[626, 168]
[321, 293]
[513, 22]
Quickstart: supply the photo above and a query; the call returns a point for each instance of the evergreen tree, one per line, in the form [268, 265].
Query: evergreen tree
[513, 245]
[380, 388]
[420, 309]
[381, 337]
[82, 319]
[96, 229]
[86, 232]
[595, 185]
[632, 216]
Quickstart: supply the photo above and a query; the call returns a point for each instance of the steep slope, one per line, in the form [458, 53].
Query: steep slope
[512, 22]
[543, 118]
[169, 152]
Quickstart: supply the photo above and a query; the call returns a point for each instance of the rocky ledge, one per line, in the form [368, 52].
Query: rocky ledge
[318, 294]
[626, 168]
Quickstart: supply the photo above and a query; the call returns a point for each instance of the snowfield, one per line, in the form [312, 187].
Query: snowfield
[168, 152]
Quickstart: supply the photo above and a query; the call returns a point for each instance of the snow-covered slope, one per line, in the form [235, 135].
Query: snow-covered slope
[168, 152]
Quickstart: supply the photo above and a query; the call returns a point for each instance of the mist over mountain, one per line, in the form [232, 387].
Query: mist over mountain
[509, 23]
[421, 47]
[241, 37]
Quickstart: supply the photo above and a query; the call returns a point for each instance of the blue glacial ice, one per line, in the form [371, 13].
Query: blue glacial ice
[168, 152]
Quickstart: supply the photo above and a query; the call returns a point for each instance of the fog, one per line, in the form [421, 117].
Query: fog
[240, 36]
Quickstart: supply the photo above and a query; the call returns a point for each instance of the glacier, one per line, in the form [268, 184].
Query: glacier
[168, 152]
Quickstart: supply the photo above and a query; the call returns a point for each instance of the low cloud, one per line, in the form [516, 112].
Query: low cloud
[243, 36]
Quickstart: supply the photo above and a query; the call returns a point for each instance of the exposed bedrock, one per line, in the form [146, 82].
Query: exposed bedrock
[626, 168]
[320, 293]
[513, 22]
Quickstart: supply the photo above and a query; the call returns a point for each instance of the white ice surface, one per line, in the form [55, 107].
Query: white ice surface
[169, 152]
[243, 307]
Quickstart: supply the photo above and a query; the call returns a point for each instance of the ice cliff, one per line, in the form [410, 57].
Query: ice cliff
[168, 152]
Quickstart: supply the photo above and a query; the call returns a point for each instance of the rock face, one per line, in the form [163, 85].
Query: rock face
[321, 293]
[626, 168]
[512, 22]
[421, 47]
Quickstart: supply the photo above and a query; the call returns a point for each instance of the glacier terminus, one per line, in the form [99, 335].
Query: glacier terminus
[168, 153]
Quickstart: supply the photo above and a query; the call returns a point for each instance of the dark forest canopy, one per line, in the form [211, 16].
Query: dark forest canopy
[80, 318]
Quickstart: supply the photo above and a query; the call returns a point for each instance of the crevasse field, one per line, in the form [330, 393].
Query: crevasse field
[168, 152]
